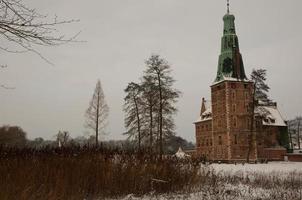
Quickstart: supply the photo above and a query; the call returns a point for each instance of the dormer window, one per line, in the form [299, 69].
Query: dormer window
[272, 120]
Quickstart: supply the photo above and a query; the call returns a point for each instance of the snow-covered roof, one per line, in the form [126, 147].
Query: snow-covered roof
[272, 116]
[206, 115]
[181, 154]
[227, 78]
[271, 113]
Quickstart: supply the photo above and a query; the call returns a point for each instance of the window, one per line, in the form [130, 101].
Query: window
[235, 139]
[234, 108]
[219, 140]
[247, 107]
[248, 123]
[234, 121]
[245, 86]
[246, 94]
[233, 95]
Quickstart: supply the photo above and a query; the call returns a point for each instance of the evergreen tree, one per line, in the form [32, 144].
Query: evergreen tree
[261, 88]
[260, 95]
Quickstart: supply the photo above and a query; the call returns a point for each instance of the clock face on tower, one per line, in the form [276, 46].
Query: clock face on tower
[227, 65]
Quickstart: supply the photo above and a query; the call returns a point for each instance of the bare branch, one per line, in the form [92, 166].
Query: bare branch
[27, 29]
[6, 87]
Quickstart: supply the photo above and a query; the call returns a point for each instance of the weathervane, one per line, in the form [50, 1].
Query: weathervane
[228, 6]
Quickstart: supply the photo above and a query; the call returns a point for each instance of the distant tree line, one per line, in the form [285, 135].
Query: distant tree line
[15, 137]
[150, 105]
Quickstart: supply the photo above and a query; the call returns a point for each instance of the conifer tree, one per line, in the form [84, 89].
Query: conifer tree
[261, 87]
[260, 95]
[97, 113]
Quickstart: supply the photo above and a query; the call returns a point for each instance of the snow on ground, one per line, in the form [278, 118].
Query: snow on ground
[271, 167]
[228, 191]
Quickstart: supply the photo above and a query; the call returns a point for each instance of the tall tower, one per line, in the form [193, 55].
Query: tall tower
[231, 95]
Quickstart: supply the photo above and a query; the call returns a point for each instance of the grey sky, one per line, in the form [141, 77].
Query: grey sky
[121, 34]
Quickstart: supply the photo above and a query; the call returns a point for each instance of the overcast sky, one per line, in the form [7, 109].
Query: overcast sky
[122, 34]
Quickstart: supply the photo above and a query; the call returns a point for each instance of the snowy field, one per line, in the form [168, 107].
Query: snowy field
[247, 188]
[271, 167]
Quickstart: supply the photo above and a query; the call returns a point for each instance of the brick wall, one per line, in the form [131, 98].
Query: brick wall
[294, 157]
[276, 154]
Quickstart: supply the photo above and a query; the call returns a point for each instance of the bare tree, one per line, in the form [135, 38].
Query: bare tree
[133, 109]
[63, 137]
[159, 70]
[97, 113]
[150, 102]
[294, 130]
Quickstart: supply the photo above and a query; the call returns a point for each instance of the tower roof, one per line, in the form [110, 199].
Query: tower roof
[230, 64]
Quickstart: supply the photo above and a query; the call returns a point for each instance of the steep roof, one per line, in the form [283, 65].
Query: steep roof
[206, 115]
[272, 115]
[230, 64]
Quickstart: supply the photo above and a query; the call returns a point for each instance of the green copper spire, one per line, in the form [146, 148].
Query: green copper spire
[230, 64]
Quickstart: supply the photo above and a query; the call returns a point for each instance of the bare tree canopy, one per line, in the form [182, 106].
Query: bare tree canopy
[133, 108]
[159, 70]
[150, 105]
[63, 137]
[97, 113]
[294, 129]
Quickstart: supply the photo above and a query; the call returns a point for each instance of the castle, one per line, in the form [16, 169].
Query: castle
[224, 127]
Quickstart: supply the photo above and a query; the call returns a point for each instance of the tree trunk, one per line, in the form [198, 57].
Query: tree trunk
[97, 120]
[250, 136]
[138, 124]
[151, 126]
[160, 117]
[298, 134]
[290, 137]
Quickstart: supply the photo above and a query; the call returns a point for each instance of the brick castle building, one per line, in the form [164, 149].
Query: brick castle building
[223, 130]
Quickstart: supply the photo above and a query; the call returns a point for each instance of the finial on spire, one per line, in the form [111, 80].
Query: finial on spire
[228, 6]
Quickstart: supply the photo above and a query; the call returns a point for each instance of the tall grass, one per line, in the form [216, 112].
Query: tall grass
[87, 173]
[98, 173]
